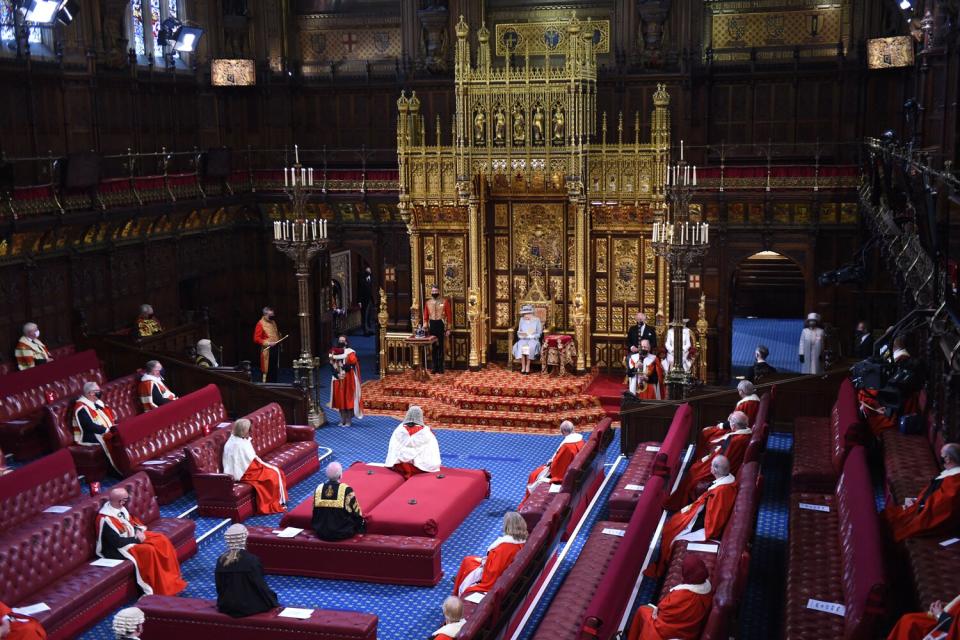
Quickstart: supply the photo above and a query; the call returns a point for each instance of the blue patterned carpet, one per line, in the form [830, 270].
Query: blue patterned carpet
[780, 336]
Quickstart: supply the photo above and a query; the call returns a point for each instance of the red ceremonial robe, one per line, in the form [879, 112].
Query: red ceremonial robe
[345, 393]
[478, 574]
[269, 483]
[265, 331]
[733, 445]
[936, 510]
[716, 503]
[916, 626]
[873, 412]
[750, 405]
[154, 560]
[148, 384]
[655, 390]
[22, 627]
[554, 470]
[680, 614]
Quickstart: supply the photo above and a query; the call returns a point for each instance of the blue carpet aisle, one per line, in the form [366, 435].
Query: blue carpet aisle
[405, 612]
[782, 337]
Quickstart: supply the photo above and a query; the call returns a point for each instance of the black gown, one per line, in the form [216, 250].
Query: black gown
[336, 513]
[241, 589]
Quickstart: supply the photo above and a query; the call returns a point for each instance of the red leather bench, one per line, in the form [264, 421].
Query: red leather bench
[121, 395]
[648, 459]
[155, 442]
[820, 445]
[57, 353]
[836, 557]
[27, 491]
[195, 619]
[579, 480]
[50, 563]
[289, 447]
[23, 395]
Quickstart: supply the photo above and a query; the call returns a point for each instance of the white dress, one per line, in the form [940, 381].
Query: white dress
[529, 333]
[811, 348]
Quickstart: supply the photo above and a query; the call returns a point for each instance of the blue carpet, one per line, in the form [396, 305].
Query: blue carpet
[781, 337]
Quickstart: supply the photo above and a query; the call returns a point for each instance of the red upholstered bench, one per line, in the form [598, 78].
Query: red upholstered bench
[195, 619]
[820, 445]
[935, 569]
[23, 394]
[289, 447]
[909, 461]
[155, 442]
[121, 395]
[836, 557]
[370, 484]
[27, 491]
[413, 560]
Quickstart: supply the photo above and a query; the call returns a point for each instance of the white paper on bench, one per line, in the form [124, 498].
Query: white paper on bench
[475, 597]
[615, 532]
[634, 487]
[294, 612]
[288, 532]
[814, 507]
[57, 508]
[106, 562]
[947, 543]
[653, 449]
[32, 609]
[221, 425]
[555, 488]
[374, 464]
[699, 546]
[827, 607]
[152, 462]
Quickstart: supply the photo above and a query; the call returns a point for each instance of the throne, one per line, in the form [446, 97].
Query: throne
[543, 307]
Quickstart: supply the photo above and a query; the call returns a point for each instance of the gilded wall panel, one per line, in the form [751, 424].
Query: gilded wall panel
[453, 264]
[500, 218]
[501, 253]
[601, 319]
[801, 214]
[616, 320]
[519, 286]
[600, 290]
[626, 276]
[556, 287]
[459, 314]
[600, 255]
[538, 235]
[428, 253]
[503, 314]
[777, 28]
[650, 294]
[649, 259]
[848, 213]
[503, 287]
[545, 38]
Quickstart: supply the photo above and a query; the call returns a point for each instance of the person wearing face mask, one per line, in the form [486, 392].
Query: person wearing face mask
[153, 391]
[147, 323]
[811, 346]
[651, 372]
[267, 336]
[92, 420]
[345, 384]
[862, 341]
[29, 351]
[438, 317]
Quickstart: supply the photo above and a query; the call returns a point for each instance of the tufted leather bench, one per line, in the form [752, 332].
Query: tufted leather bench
[909, 463]
[837, 557]
[387, 559]
[579, 474]
[155, 442]
[23, 395]
[27, 491]
[289, 447]
[820, 445]
[193, 618]
[120, 395]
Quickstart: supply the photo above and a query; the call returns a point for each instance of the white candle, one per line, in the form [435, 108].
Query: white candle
[694, 175]
[296, 154]
[681, 149]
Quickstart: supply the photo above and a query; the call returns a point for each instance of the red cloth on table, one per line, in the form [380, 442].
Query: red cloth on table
[557, 340]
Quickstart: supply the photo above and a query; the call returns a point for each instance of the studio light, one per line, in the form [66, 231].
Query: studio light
[187, 39]
[906, 4]
[41, 11]
[68, 12]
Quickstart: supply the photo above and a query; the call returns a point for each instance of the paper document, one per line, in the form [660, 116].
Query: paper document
[947, 543]
[555, 488]
[289, 532]
[634, 487]
[827, 607]
[653, 449]
[32, 609]
[704, 548]
[475, 598]
[814, 507]
[57, 508]
[106, 562]
[150, 463]
[615, 532]
[294, 612]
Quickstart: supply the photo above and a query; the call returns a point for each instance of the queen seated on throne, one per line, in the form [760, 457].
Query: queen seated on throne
[529, 334]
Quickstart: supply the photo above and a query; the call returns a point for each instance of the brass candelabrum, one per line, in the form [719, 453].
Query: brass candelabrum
[301, 240]
[682, 242]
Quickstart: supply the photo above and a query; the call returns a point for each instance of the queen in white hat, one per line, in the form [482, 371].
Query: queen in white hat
[529, 332]
[811, 346]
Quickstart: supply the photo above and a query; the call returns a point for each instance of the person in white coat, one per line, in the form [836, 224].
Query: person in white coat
[687, 345]
[811, 346]
[241, 462]
[413, 447]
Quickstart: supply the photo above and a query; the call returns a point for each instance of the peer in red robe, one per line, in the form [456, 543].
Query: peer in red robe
[873, 412]
[553, 471]
[14, 626]
[936, 509]
[652, 373]
[732, 445]
[345, 395]
[478, 574]
[917, 626]
[152, 389]
[122, 536]
[453, 619]
[680, 613]
[703, 519]
[241, 462]
[749, 404]
[413, 447]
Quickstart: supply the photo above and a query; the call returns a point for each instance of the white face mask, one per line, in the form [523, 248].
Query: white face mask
[36, 334]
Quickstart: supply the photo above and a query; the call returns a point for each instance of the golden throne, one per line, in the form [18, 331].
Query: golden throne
[543, 307]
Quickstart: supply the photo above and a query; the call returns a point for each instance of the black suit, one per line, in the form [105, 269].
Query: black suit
[863, 346]
[365, 298]
[759, 370]
[635, 335]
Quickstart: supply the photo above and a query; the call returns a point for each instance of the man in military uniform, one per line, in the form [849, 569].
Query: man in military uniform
[438, 318]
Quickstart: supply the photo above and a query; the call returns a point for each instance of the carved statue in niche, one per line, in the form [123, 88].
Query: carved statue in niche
[113, 27]
[538, 125]
[499, 126]
[557, 125]
[652, 13]
[434, 18]
[519, 127]
[235, 27]
[479, 127]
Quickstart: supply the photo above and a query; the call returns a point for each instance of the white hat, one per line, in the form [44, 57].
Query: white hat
[813, 316]
[527, 308]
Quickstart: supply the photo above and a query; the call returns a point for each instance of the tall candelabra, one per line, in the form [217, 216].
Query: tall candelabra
[682, 242]
[301, 240]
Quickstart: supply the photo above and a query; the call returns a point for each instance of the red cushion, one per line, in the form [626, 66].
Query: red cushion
[371, 484]
[189, 618]
[440, 502]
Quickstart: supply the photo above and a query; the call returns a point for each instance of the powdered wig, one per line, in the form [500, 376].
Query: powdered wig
[127, 622]
[514, 525]
[566, 427]
[414, 415]
[241, 428]
[745, 388]
[236, 539]
[145, 309]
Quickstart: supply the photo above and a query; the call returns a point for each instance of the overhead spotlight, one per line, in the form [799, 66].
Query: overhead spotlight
[187, 39]
[906, 5]
[40, 11]
[68, 11]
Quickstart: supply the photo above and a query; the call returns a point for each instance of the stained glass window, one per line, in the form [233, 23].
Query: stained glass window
[136, 12]
[172, 8]
[155, 26]
[146, 18]
[8, 24]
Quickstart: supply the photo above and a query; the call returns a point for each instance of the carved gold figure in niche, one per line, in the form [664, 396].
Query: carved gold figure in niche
[479, 127]
[519, 127]
[557, 125]
[499, 127]
[538, 125]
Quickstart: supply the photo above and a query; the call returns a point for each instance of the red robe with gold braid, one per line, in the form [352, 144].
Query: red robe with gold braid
[446, 311]
[916, 626]
[716, 504]
[28, 351]
[554, 470]
[732, 444]
[22, 627]
[653, 367]
[936, 510]
[680, 614]
[154, 560]
[98, 413]
[149, 384]
[478, 574]
[265, 331]
[345, 393]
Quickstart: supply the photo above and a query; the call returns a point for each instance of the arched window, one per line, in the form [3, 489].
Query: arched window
[8, 25]
[146, 16]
